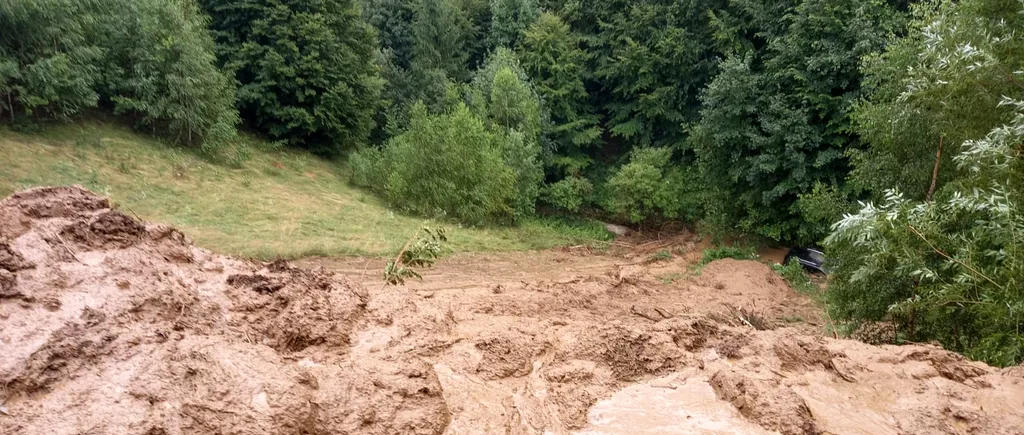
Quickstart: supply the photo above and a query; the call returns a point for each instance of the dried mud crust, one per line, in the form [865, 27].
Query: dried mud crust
[112, 325]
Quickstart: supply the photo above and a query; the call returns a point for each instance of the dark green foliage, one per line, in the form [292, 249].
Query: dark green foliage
[509, 20]
[820, 208]
[150, 59]
[305, 68]
[393, 20]
[442, 31]
[556, 64]
[651, 58]
[775, 121]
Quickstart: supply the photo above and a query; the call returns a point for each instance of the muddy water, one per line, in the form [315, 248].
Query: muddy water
[673, 405]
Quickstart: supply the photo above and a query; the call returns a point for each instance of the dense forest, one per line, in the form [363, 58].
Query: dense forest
[890, 132]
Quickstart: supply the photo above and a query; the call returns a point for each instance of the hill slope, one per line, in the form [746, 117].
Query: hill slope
[287, 204]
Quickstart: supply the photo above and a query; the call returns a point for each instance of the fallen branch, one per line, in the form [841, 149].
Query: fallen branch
[632, 309]
[664, 313]
[938, 251]
[935, 172]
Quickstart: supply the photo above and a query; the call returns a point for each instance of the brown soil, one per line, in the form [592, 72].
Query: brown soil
[109, 325]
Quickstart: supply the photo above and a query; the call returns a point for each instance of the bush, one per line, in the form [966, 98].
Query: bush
[521, 155]
[819, 209]
[727, 251]
[649, 187]
[950, 268]
[444, 165]
[569, 194]
[793, 273]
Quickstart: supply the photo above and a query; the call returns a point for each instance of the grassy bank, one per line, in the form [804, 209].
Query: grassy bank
[280, 203]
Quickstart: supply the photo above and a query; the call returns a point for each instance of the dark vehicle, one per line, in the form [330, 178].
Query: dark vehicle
[810, 258]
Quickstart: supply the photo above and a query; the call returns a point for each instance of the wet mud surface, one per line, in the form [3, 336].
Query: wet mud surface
[110, 325]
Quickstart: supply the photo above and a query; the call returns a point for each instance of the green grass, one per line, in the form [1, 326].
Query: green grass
[282, 203]
[672, 277]
[661, 255]
[727, 251]
[797, 278]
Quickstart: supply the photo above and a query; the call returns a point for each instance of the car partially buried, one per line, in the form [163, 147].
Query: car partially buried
[812, 259]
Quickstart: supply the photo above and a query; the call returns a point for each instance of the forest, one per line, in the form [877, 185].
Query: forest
[887, 132]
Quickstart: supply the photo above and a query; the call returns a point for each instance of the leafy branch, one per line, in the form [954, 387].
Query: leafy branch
[419, 251]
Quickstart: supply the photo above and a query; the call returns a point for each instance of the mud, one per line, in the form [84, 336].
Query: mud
[109, 325]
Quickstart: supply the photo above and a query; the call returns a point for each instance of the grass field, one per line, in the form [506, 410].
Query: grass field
[281, 203]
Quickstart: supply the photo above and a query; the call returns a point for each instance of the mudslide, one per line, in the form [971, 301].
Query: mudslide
[109, 325]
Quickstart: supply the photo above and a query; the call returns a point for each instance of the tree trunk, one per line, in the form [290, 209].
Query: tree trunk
[935, 172]
[10, 106]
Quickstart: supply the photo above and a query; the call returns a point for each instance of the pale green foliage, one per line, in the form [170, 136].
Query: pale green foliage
[513, 106]
[443, 165]
[951, 269]
[521, 155]
[502, 93]
[649, 187]
[945, 79]
[421, 251]
[569, 194]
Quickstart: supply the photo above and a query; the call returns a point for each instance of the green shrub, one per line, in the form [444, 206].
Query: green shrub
[569, 194]
[444, 165]
[727, 251]
[793, 272]
[650, 187]
[819, 209]
[521, 155]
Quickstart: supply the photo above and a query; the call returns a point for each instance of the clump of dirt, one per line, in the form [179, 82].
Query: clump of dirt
[112, 325]
[765, 401]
